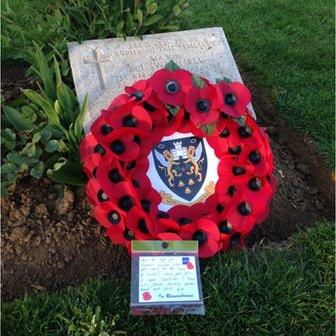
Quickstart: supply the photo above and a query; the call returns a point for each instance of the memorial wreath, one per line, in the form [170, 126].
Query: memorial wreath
[116, 152]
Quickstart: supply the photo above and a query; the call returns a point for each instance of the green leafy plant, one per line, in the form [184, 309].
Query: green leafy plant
[84, 19]
[45, 134]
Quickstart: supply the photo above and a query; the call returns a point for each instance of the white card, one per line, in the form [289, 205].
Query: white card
[168, 279]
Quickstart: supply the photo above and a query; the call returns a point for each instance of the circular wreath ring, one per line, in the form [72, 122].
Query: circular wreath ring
[115, 159]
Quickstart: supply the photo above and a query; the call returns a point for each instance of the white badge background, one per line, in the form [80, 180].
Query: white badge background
[159, 185]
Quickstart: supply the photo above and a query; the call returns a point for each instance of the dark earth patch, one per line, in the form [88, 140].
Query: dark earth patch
[47, 245]
[13, 80]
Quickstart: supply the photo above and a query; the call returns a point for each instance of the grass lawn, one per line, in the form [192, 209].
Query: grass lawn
[278, 290]
[287, 46]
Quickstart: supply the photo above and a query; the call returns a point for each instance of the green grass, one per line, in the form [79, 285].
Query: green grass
[287, 47]
[279, 290]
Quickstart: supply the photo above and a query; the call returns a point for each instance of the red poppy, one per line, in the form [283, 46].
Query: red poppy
[235, 98]
[171, 86]
[139, 91]
[118, 101]
[205, 231]
[146, 296]
[185, 125]
[131, 117]
[203, 104]
[95, 193]
[90, 165]
[184, 214]
[138, 177]
[224, 241]
[101, 127]
[216, 206]
[168, 236]
[248, 204]
[190, 266]
[124, 195]
[156, 109]
[166, 224]
[141, 223]
[174, 122]
[147, 142]
[110, 173]
[123, 144]
[109, 215]
[149, 200]
[121, 236]
[87, 146]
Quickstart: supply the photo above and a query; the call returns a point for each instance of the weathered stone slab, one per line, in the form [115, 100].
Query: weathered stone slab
[102, 68]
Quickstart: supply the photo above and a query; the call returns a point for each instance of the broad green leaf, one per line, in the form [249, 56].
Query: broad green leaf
[241, 120]
[19, 122]
[172, 66]
[36, 138]
[62, 147]
[8, 134]
[31, 150]
[130, 22]
[170, 28]
[67, 100]
[42, 69]
[9, 167]
[198, 81]
[44, 104]
[45, 134]
[24, 167]
[37, 171]
[152, 8]
[78, 126]
[57, 108]
[57, 71]
[173, 109]
[120, 26]
[208, 128]
[177, 10]
[27, 110]
[153, 19]
[139, 15]
[9, 144]
[15, 158]
[51, 146]
[52, 160]
[67, 172]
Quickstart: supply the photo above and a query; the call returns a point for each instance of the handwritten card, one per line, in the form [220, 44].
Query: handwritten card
[168, 278]
[165, 278]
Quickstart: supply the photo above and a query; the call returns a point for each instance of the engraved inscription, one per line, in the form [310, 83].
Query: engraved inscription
[102, 68]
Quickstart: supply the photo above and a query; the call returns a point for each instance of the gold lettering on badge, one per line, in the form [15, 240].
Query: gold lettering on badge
[168, 199]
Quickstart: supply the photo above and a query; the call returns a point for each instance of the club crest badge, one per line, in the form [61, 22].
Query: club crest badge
[181, 165]
[179, 169]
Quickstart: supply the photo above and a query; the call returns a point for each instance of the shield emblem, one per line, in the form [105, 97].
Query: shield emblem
[182, 165]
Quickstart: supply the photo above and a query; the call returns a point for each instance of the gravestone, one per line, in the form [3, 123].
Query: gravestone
[102, 68]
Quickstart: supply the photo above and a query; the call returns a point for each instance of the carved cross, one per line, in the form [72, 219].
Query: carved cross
[96, 62]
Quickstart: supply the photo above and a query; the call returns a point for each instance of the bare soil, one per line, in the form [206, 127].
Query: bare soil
[49, 244]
